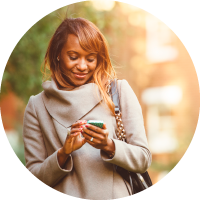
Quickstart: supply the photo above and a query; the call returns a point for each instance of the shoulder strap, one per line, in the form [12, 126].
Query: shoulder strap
[143, 179]
[121, 134]
[115, 95]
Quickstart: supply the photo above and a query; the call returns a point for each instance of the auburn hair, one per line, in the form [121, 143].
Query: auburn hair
[91, 40]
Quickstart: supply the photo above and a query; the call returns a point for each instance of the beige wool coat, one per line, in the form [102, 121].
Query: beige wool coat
[88, 172]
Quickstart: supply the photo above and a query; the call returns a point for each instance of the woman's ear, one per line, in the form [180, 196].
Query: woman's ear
[58, 58]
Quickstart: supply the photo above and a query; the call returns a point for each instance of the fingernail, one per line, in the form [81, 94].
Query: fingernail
[86, 125]
[80, 129]
[81, 126]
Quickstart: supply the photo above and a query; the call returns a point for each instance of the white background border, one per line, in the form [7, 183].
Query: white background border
[182, 16]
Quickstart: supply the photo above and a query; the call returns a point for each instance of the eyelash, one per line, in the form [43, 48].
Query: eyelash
[90, 60]
[75, 58]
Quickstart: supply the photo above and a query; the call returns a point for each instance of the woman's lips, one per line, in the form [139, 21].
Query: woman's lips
[79, 75]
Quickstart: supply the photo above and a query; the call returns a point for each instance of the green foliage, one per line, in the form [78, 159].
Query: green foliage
[22, 73]
[159, 167]
[16, 141]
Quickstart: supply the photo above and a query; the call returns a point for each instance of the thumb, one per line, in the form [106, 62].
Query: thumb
[72, 136]
[83, 141]
[104, 126]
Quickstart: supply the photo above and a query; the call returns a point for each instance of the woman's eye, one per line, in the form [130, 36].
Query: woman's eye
[73, 58]
[90, 60]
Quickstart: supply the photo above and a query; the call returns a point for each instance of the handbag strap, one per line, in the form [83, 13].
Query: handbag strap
[115, 95]
[113, 91]
[121, 133]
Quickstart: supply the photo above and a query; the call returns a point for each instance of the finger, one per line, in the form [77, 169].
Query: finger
[74, 130]
[71, 137]
[95, 141]
[91, 143]
[91, 133]
[86, 136]
[88, 140]
[78, 123]
[75, 134]
[94, 128]
[83, 141]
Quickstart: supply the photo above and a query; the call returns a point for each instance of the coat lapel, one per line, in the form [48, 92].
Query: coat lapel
[66, 107]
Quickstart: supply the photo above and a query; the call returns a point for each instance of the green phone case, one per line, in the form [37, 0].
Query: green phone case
[98, 123]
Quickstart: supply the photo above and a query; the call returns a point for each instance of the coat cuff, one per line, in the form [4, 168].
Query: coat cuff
[56, 167]
[116, 157]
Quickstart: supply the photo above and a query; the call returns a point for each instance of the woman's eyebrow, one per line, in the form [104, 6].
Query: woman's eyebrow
[71, 51]
[89, 54]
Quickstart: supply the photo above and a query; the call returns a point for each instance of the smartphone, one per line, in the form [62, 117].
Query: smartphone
[98, 123]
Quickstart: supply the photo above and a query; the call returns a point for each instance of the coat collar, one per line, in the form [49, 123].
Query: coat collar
[66, 107]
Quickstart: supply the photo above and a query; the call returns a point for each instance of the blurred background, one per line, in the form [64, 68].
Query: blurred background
[144, 51]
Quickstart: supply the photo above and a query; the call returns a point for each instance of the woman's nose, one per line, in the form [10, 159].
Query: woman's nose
[82, 65]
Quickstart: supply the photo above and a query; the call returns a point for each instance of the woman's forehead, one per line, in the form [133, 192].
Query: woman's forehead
[73, 45]
[72, 41]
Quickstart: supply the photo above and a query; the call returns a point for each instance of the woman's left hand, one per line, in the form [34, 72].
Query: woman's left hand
[100, 138]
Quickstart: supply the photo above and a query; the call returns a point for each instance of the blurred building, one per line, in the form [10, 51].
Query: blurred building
[163, 76]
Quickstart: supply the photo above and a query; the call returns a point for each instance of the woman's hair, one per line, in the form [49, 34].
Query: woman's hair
[91, 40]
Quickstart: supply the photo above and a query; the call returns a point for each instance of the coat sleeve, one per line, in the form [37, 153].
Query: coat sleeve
[44, 167]
[133, 155]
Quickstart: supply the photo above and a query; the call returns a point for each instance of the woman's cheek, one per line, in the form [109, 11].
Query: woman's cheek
[94, 65]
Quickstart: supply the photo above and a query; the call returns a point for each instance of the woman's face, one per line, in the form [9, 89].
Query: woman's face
[78, 65]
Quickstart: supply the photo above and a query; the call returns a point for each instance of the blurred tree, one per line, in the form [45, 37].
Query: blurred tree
[22, 74]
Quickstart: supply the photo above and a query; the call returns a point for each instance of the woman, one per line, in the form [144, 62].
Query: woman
[55, 151]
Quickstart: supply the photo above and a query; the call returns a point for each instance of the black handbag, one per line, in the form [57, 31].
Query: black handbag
[138, 182]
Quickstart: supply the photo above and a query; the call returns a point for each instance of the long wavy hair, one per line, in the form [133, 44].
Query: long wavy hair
[91, 40]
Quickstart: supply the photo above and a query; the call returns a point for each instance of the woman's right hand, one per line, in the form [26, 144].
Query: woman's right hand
[73, 142]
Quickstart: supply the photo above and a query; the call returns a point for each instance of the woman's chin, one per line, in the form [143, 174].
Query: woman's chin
[78, 83]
